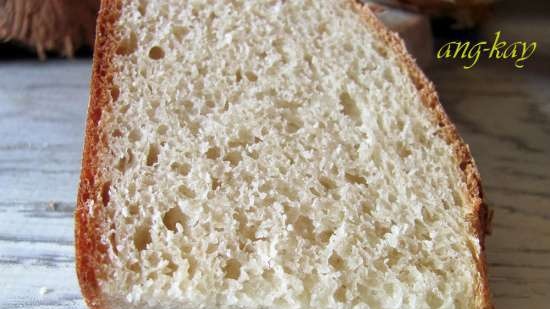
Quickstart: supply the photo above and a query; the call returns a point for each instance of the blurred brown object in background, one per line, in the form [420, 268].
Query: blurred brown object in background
[60, 26]
[466, 13]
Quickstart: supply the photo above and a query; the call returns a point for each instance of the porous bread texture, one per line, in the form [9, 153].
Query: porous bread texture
[275, 154]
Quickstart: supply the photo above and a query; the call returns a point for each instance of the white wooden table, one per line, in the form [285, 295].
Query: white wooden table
[42, 112]
[503, 113]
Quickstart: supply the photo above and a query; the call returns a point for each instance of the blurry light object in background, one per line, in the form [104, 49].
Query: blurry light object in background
[414, 28]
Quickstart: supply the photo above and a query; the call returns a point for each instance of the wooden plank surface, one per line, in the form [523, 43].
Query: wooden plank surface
[505, 118]
[503, 113]
[42, 112]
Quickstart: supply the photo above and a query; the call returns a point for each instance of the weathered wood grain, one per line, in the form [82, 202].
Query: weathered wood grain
[504, 114]
[42, 111]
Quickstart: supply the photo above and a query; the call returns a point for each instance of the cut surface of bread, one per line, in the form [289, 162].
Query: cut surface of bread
[270, 154]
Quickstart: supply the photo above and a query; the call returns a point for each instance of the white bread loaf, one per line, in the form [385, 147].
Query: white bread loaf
[270, 154]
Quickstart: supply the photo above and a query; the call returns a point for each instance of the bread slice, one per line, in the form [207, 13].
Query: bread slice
[271, 154]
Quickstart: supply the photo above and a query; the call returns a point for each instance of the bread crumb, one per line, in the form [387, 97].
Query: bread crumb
[44, 290]
[53, 205]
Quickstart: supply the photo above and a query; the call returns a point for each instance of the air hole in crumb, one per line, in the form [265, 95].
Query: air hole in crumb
[293, 123]
[328, 183]
[381, 50]
[421, 231]
[142, 7]
[156, 53]
[135, 267]
[324, 236]
[348, 47]
[186, 248]
[133, 209]
[116, 133]
[236, 143]
[388, 75]
[284, 189]
[392, 198]
[142, 237]
[213, 153]
[286, 104]
[356, 179]
[125, 161]
[247, 177]
[380, 229]
[233, 157]
[194, 127]
[210, 104]
[180, 32]
[304, 227]
[124, 108]
[291, 214]
[244, 138]
[152, 155]
[202, 69]
[366, 208]
[216, 183]
[155, 104]
[211, 248]
[334, 169]
[238, 76]
[105, 195]
[171, 267]
[265, 187]
[188, 105]
[162, 129]
[340, 294]
[152, 276]
[433, 300]
[181, 168]
[251, 76]
[309, 60]
[128, 45]
[192, 266]
[336, 261]
[349, 107]
[232, 269]
[315, 192]
[268, 275]
[185, 191]
[253, 154]
[457, 198]
[115, 93]
[322, 28]
[393, 257]
[172, 217]
[245, 230]
[134, 136]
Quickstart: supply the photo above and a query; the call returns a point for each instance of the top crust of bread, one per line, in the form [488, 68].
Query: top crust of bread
[88, 246]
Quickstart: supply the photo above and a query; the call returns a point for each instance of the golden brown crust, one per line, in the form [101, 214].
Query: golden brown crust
[479, 220]
[89, 251]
